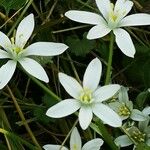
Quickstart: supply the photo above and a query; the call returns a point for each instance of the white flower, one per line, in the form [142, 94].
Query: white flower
[113, 17]
[76, 143]
[88, 98]
[16, 52]
[124, 107]
[139, 134]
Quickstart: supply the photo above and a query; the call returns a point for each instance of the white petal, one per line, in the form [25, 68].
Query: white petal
[98, 31]
[94, 144]
[137, 115]
[34, 69]
[24, 30]
[107, 115]
[92, 75]
[105, 92]
[3, 54]
[4, 41]
[6, 72]
[136, 20]
[123, 6]
[146, 110]
[45, 49]
[124, 42]
[84, 17]
[104, 7]
[54, 147]
[71, 85]
[75, 140]
[123, 95]
[63, 108]
[123, 141]
[85, 116]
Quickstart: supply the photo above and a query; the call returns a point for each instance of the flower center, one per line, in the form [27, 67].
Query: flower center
[86, 96]
[138, 136]
[75, 147]
[124, 111]
[14, 47]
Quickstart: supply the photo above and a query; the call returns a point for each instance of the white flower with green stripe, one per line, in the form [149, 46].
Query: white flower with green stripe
[112, 19]
[124, 107]
[76, 143]
[88, 98]
[15, 51]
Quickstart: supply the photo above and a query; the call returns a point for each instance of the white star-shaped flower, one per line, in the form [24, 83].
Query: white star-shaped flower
[16, 51]
[88, 98]
[124, 107]
[76, 143]
[112, 19]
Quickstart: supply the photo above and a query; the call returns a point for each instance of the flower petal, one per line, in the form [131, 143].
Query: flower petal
[84, 17]
[34, 69]
[24, 30]
[123, 6]
[105, 92]
[98, 31]
[137, 115]
[136, 20]
[146, 110]
[6, 72]
[104, 7]
[63, 108]
[85, 116]
[4, 41]
[124, 42]
[107, 115]
[75, 140]
[71, 85]
[45, 49]
[94, 144]
[123, 95]
[93, 71]
[54, 147]
[3, 54]
[123, 141]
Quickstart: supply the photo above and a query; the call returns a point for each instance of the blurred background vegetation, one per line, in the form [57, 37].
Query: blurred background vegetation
[52, 25]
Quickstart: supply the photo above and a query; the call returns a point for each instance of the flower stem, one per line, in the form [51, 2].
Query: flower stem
[108, 73]
[23, 119]
[107, 137]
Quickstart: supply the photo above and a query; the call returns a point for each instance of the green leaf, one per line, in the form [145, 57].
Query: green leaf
[80, 47]
[39, 113]
[12, 4]
[141, 98]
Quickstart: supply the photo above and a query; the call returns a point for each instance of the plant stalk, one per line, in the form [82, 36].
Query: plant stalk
[23, 119]
[108, 73]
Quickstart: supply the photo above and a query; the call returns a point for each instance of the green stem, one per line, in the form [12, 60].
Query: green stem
[108, 73]
[23, 119]
[107, 137]
[47, 90]
[20, 17]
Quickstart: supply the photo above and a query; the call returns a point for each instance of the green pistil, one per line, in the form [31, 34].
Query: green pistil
[86, 96]
[124, 111]
[17, 49]
[138, 136]
[75, 147]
